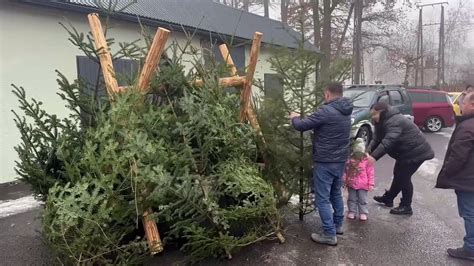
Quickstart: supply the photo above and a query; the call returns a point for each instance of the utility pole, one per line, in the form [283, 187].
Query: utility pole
[420, 69]
[357, 46]
[419, 49]
[440, 76]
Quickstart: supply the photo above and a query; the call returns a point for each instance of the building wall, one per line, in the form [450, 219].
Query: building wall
[263, 67]
[33, 45]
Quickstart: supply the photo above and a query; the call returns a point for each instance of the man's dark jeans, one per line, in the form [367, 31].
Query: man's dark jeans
[466, 211]
[402, 173]
[327, 183]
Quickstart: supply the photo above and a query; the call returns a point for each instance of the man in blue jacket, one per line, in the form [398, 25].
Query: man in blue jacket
[331, 124]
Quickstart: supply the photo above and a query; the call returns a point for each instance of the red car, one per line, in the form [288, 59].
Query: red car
[432, 109]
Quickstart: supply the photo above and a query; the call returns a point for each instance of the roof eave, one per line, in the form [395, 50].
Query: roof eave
[61, 5]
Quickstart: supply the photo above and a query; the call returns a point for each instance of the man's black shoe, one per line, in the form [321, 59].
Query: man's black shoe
[461, 253]
[402, 210]
[384, 200]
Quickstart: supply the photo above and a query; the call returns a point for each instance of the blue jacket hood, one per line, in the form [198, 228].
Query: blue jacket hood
[343, 105]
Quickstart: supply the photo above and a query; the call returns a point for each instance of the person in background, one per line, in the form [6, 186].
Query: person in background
[458, 173]
[399, 137]
[469, 88]
[359, 179]
[331, 124]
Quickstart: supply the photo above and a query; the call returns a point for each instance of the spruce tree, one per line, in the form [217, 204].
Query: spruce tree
[290, 152]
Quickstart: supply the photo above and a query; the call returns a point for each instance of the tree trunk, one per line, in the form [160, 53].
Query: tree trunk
[407, 74]
[316, 23]
[284, 11]
[343, 37]
[246, 5]
[326, 40]
[358, 48]
[266, 8]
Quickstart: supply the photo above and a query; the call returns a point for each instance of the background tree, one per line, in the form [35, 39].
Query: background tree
[398, 44]
[247, 4]
[400, 51]
[331, 25]
[458, 28]
[290, 159]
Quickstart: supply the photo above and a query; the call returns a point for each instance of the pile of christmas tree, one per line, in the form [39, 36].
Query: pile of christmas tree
[179, 150]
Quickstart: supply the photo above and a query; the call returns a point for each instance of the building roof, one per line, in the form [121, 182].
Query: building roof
[206, 16]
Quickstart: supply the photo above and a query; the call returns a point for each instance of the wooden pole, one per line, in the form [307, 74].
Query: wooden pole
[152, 234]
[151, 62]
[246, 94]
[228, 59]
[236, 81]
[224, 82]
[246, 112]
[104, 55]
[153, 57]
[151, 229]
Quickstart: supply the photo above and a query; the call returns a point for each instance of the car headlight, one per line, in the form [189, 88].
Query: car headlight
[352, 120]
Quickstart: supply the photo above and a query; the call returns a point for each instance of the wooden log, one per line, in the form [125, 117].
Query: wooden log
[281, 237]
[247, 113]
[228, 59]
[151, 231]
[252, 117]
[153, 57]
[246, 94]
[104, 56]
[224, 82]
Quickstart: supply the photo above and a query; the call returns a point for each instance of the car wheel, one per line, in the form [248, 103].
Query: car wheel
[434, 124]
[365, 134]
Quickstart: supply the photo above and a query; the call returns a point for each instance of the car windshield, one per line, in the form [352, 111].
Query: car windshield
[360, 98]
[452, 97]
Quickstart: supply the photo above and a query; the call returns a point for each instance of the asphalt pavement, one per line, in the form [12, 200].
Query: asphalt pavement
[385, 239]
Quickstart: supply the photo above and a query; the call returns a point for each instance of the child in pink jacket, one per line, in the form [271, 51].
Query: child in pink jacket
[359, 179]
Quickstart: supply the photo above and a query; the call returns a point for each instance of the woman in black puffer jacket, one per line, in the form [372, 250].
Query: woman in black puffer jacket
[400, 138]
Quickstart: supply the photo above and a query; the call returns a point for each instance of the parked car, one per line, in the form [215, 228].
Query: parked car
[432, 109]
[455, 100]
[364, 96]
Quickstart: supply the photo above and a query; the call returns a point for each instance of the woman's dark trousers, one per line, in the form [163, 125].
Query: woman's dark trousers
[402, 173]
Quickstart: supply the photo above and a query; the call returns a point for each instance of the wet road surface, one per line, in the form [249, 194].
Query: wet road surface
[385, 239]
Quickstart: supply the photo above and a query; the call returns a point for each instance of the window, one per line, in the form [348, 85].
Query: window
[211, 54]
[360, 98]
[88, 71]
[406, 98]
[273, 87]
[236, 52]
[383, 98]
[440, 98]
[420, 97]
[452, 97]
[395, 98]
[126, 71]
